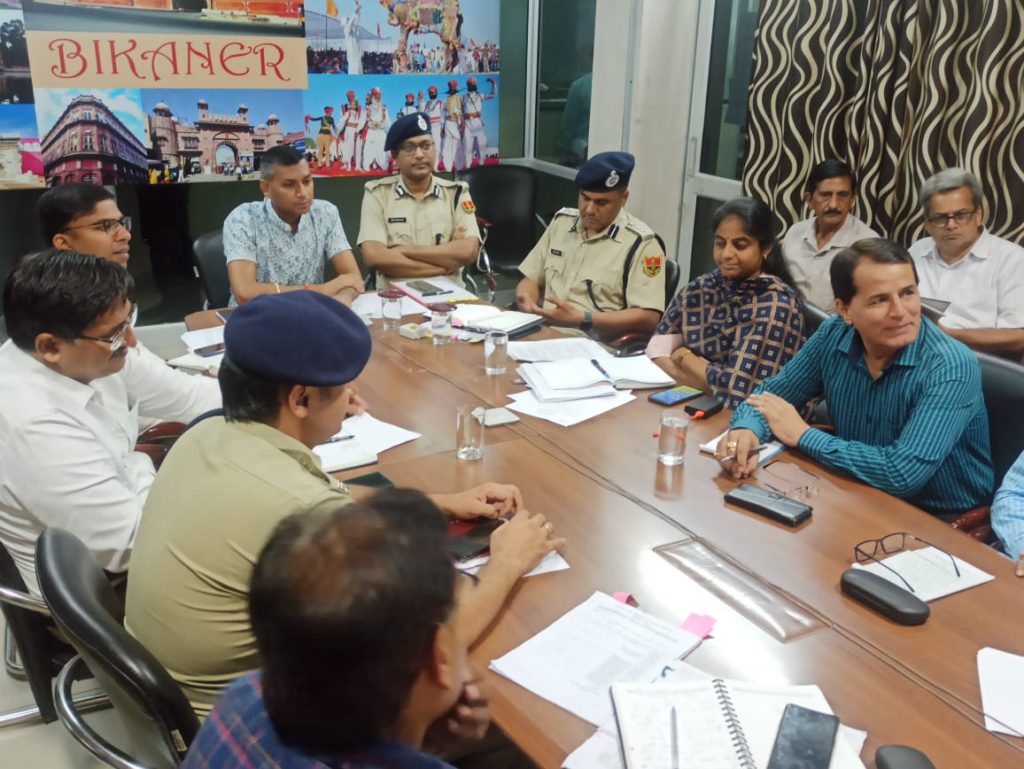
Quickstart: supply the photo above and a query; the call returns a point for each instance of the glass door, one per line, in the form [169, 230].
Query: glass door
[716, 144]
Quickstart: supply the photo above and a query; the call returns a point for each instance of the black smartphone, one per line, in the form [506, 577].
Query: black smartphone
[210, 350]
[675, 395]
[225, 313]
[475, 541]
[427, 289]
[805, 739]
[373, 480]
[702, 407]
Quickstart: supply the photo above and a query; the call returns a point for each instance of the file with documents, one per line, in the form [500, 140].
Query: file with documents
[635, 372]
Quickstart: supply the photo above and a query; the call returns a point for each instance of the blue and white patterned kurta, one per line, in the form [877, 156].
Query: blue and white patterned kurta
[254, 232]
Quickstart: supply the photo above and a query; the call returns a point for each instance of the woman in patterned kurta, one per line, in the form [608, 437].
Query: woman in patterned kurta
[732, 328]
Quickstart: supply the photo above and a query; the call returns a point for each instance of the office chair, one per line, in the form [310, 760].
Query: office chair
[32, 652]
[90, 614]
[3, 330]
[634, 342]
[814, 316]
[1002, 383]
[212, 269]
[505, 198]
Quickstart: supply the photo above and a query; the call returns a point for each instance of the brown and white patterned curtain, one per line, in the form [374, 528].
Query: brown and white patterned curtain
[899, 89]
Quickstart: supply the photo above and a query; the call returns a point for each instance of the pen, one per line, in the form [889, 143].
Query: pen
[675, 740]
[757, 448]
[601, 369]
[339, 438]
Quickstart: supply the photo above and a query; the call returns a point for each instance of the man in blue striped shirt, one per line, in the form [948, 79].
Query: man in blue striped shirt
[905, 398]
[1008, 513]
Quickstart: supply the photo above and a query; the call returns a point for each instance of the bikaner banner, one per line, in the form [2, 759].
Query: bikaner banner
[62, 59]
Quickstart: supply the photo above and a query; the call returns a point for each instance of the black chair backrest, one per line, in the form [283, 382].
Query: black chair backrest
[1002, 382]
[505, 196]
[814, 316]
[37, 646]
[208, 255]
[90, 614]
[3, 330]
[671, 280]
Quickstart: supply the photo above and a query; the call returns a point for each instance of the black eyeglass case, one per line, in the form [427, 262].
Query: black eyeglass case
[881, 595]
[770, 504]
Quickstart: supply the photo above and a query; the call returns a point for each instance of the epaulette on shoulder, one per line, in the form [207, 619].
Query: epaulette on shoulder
[382, 182]
[637, 227]
[573, 212]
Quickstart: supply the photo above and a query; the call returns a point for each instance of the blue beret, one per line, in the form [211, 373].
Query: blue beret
[406, 127]
[300, 337]
[606, 171]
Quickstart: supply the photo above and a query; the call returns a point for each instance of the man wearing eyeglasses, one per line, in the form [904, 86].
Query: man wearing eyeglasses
[961, 262]
[85, 218]
[71, 395]
[416, 225]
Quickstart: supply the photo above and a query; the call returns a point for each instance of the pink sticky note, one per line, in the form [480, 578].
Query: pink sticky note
[699, 624]
[626, 598]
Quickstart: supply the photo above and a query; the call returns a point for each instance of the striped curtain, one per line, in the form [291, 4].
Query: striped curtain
[899, 89]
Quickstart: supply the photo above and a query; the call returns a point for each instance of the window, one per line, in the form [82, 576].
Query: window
[565, 52]
[74, 142]
[103, 143]
[87, 141]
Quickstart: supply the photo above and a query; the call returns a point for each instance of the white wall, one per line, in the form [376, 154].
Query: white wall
[656, 103]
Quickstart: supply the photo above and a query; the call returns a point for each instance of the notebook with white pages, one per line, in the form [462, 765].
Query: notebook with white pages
[718, 724]
[770, 449]
[544, 392]
[635, 372]
[439, 290]
[343, 452]
[484, 317]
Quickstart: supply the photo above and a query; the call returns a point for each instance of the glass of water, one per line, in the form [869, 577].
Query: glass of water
[469, 432]
[672, 437]
[441, 323]
[390, 308]
[495, 352]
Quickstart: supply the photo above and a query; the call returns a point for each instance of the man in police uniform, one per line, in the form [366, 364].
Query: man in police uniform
[325, 135]
[598, 267]
[416, 225]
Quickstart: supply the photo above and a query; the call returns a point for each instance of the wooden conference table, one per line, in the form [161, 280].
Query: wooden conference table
[774, 590]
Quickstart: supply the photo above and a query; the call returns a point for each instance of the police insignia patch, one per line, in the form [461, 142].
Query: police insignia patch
[469, 206]
[612, 180]
[652, 265]
[421, 123]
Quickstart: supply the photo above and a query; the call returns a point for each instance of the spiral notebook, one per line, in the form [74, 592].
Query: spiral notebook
[718, 724]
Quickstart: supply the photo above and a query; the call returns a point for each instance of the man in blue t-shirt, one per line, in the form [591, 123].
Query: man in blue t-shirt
[353, 608]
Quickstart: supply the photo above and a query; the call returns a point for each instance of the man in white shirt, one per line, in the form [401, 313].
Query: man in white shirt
[979, 274]
[71, 394]
[809, 245]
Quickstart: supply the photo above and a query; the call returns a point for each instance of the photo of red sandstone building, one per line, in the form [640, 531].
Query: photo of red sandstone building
[90, 143]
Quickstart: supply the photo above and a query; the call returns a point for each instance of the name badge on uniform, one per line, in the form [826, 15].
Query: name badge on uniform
[556, 252]
[396, 219]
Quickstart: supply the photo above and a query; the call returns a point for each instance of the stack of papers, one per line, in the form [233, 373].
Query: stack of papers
[546, 392]
[557, 349]
[553, 561]
[194, 340]
[575, 660]
[361, 439]
[568, 413]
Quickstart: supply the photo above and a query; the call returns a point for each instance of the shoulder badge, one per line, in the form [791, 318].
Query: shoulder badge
[468, 206]
[652, 265]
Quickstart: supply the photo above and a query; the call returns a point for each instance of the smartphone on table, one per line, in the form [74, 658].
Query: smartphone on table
[475, 541]
[210, 350]
[427, 289]
[675, 395]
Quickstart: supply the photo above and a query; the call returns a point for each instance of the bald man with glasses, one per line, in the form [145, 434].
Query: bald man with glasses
[961, 262]
[72, 392]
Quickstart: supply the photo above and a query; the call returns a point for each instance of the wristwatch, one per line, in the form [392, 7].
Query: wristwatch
[588, 321]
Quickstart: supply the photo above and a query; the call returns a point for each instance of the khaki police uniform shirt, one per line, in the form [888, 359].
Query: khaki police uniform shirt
[395, 217]
[588, 271]
[220, 493]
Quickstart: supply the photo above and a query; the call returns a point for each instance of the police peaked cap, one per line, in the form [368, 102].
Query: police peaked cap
[300, 337]
[606, 171]
[406, 127]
